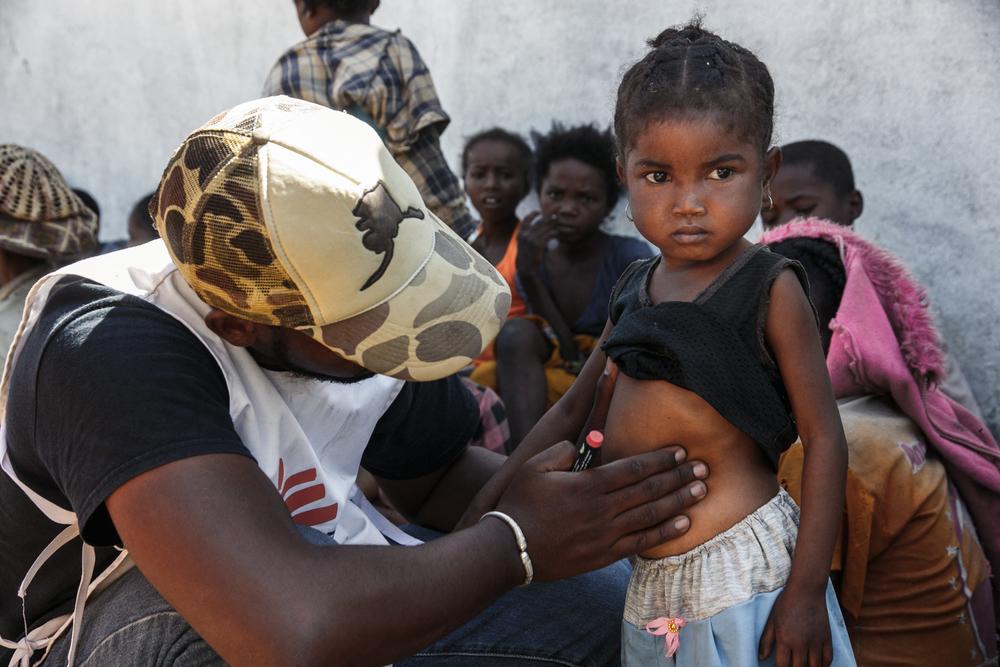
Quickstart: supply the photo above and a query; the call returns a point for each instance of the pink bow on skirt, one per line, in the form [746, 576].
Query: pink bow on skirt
[670, 628]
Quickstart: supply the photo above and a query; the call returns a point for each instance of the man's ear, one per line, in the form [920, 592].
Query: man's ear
[233, 330]
[772, 162]
[855, 205]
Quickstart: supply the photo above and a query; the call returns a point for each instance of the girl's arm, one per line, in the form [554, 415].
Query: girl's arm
[530, 252]
[563, 421]
[799, 623]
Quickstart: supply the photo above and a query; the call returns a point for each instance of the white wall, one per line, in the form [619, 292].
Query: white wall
[909, 88]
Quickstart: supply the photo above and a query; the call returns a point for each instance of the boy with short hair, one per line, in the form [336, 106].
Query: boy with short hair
[815, 180]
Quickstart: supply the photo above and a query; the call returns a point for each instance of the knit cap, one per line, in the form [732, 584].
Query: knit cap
[40, 215]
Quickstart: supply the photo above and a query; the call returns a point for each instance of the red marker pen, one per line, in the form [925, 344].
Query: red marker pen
[590, 452]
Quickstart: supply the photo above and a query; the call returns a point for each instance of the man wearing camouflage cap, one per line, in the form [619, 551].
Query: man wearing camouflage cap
[208, 399]
[41, 221]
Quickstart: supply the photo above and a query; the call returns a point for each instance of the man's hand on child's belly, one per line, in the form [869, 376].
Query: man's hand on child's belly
[579, 521]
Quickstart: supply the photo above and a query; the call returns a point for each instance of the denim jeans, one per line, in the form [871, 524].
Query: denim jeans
[572, 622]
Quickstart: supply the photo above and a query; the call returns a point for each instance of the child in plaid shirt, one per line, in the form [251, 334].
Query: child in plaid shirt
[376, 75]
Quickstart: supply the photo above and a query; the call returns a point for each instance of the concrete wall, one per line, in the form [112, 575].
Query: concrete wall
[909, 88]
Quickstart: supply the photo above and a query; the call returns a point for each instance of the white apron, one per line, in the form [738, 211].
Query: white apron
[307, 436]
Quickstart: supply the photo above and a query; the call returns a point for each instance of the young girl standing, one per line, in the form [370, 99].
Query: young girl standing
[719, 351]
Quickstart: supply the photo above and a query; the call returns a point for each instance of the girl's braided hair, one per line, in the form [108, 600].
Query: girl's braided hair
[689, 71]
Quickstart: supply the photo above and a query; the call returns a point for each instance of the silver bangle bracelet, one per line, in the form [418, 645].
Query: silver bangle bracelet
[522, 544]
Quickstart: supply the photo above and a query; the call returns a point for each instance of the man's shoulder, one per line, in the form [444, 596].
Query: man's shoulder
[77, 306]
[86, 325]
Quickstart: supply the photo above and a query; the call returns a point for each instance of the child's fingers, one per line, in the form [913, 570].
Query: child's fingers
[536, 229]
[602, 400]
[827, 654]
[766, 641]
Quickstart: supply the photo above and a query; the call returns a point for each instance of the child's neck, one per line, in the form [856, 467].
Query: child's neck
[499, 229]
[681, 280]
[586, 247]
[719, 261]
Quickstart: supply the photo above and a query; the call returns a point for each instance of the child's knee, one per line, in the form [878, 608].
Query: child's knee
[520, 336]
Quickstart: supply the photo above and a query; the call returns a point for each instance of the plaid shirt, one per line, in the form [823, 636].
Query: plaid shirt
[379, 77]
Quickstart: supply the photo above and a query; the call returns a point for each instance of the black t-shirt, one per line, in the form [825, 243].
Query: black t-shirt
[107, 387]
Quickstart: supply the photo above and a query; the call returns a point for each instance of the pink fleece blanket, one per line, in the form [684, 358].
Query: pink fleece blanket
[884, 342]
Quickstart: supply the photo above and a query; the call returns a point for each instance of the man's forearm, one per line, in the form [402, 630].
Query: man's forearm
[460, 575]
[258, 593]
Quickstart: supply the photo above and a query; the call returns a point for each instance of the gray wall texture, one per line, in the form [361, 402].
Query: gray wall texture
[909, 88]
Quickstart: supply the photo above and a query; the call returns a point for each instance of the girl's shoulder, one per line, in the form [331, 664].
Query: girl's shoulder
[754, 272]
[631, 289]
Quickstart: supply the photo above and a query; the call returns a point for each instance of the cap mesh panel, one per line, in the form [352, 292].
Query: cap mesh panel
[220, 243]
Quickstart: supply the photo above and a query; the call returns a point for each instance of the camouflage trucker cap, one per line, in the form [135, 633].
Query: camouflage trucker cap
[40, 215]
[291, 214]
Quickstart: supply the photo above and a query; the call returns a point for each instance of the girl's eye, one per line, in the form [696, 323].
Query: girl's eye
[720, 174]
[657, 177]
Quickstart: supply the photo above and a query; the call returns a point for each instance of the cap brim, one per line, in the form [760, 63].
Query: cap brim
[444, 317]
[50, 239]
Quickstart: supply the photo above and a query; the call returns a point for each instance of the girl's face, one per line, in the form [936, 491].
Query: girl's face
[495, 180]
[695, 187]
[574, 196]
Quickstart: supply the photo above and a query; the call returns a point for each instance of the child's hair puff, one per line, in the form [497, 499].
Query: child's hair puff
[690, 70]
[584, 143]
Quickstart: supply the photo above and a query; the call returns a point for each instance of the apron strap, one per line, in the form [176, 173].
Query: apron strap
[386, 527]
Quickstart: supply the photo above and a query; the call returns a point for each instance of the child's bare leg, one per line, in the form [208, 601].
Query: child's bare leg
[521, 351]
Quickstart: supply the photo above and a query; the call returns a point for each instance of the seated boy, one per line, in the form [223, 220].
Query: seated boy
[816, 180]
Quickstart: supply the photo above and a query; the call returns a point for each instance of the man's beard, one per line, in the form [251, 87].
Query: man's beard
[277, 359]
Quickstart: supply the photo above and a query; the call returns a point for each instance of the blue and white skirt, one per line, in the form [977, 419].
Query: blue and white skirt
[710, 604]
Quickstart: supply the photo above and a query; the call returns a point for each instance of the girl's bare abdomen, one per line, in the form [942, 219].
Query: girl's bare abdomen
[649, 414]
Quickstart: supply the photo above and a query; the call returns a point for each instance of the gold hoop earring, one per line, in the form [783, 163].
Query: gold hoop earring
[770, 202]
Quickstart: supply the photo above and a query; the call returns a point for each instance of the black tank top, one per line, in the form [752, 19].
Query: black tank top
[713, 345]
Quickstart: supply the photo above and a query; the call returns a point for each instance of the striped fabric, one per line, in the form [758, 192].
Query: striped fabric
[379, 77]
